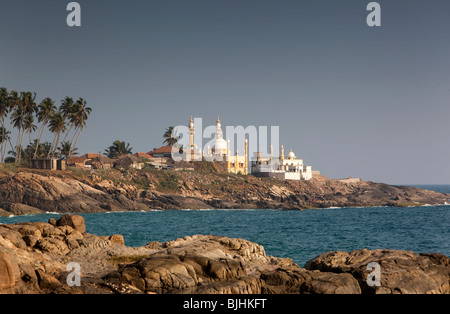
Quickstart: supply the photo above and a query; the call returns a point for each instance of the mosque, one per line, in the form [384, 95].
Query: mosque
[289, 168]
[220, 151]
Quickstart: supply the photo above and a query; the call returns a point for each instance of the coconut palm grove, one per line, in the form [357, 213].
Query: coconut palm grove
[23, 120]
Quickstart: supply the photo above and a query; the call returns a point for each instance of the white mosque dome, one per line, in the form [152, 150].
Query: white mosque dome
[219, 144]
[291, 155]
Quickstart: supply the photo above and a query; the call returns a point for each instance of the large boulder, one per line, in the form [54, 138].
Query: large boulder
[402, 272]
[213, 264]
[7, 278]
[74, 221]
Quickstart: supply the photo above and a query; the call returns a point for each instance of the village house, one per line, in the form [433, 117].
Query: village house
[143, 155]
[163, 151]
[129, 161]
[100, 162]
[80, 161]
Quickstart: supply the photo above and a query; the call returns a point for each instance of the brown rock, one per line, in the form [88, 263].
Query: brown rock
[7, 278]
[74, 221]
[30, 240]
[400, 271]
[118, 239]
[52, 245]
[205, 264]
[13, 236]
[47, 281]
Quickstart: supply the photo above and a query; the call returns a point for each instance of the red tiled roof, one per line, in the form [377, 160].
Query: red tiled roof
[161, 150]
[90, 155]
[142, 155]
[76, 160]
[81, 159]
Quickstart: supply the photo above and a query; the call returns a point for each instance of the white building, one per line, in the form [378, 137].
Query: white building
[289, 168]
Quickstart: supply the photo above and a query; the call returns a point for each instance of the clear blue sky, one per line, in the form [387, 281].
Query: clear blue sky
[349, 99]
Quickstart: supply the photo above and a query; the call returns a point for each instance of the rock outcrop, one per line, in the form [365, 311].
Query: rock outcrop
[35, 258]
[36, 191]
[399, 271]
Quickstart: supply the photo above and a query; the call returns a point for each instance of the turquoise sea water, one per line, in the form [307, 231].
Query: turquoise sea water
[301, 235]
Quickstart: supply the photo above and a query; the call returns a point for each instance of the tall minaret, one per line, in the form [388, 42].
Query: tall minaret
[218, 128]
[228, 156]
[281, 158]
[191, 133]
[236, 162]
[246, 158]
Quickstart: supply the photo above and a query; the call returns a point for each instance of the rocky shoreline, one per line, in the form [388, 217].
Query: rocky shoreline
[27, 191]
[34, 259]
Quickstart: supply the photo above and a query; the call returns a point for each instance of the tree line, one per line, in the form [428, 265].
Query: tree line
[20, 111]
[121, 148]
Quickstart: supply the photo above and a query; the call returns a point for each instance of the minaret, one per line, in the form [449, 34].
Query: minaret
[228, 156]
[246, 159]
[281, 158]
[218, 128]
[236, 163]
[191, 133]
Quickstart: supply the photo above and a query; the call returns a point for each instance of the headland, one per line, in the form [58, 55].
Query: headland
[197, 185]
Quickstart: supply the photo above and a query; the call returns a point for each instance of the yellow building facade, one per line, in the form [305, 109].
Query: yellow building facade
[220, 151]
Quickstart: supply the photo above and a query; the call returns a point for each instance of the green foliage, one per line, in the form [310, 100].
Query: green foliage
[167, 180]
[118, 148]
[170, 136]
[8, 167]
[19, 110]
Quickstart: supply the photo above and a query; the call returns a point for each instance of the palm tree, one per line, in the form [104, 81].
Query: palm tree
[65, 149]
[18, 117]
[56, 125]
[4, 140]
[80, 114]
[67, 108]
[117, 149]
[27, 106]
[13, 102]
[29, 126]
[37, 150]
[45, 110]
[4, 109]
[170, 136]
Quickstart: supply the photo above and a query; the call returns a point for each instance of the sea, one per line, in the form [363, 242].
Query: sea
[300, 235]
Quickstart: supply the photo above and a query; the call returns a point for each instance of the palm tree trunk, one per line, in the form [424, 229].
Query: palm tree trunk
[17, 147]
[21, 144]
[71, 142]
[41, 131]
[9, 140]
[50, 151]
[71, 152]
[65, 137]
[56, 144]
[3, 139]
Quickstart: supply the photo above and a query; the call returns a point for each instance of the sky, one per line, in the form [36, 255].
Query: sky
[349, 99]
